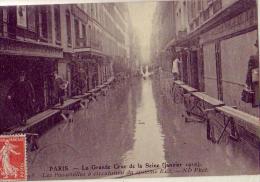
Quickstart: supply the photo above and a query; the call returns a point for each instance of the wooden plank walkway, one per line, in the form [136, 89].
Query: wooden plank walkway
[250, 122]
[34, 121]
[179, 82]
[208, 99]
[58, 110]
[83, 96]
[66, 104]
[188, 89]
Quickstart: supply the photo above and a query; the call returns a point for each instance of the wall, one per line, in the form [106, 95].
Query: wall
[210, 76]
[234, 68]
[236, 46]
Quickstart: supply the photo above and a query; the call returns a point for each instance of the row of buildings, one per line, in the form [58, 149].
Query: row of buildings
[214, 40]
[85, 43]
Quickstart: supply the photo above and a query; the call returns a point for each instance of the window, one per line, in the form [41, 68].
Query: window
[84, 34]
[57, 23]
[1, 21]
[11, 21]
[93, 35]
[21, 15]
[31, 11]
[68, 24]
[192, 9]
[43, 22]
[90, 35]
[206, 14]
[199, 5]
[96, 11]
[77, 32]
[217, 5]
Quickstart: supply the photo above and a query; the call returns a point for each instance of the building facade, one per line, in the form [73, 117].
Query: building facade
[86, 43]
[163, 32]
[209, 36]
[101, 40]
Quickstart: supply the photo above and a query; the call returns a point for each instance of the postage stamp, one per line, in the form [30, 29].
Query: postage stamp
[13, 158]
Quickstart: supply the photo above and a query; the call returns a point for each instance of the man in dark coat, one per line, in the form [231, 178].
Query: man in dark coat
[253, 68]
[60, 86]
[22, 96]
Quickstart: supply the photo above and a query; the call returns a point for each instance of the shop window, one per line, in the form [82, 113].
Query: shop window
[57, 23]
[68, 24]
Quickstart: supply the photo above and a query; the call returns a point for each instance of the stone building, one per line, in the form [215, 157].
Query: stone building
[163, 33]
[209, 36]
[101, 40]
[30, 41]
[83, 42]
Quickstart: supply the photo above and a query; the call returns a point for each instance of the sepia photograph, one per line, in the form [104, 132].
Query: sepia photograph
[135, 89]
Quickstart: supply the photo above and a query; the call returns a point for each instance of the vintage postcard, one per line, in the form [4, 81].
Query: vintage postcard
[129, 90]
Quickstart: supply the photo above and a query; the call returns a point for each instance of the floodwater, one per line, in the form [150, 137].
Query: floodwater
[135, 131]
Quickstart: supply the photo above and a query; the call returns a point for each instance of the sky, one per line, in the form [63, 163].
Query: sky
[141, 14]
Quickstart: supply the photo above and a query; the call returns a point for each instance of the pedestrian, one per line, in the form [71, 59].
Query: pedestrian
[252, 78]
[60, 86]
[175, 68]
[82, 81]
[22, 96]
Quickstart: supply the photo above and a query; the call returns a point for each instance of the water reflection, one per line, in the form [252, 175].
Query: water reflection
[148, 140]
[187, 143]
[137, 123]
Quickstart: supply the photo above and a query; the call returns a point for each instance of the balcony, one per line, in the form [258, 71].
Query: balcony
[83, 43]
[12, 46]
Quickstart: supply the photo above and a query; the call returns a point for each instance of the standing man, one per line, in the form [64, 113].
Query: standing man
[22, 96]
[252, 79]
[60, 86]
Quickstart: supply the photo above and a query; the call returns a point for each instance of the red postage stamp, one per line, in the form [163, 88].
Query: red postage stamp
[13, 158]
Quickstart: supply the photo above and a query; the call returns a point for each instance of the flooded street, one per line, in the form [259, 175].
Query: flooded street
[129, 89]
[148, 147]
[135, 125]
